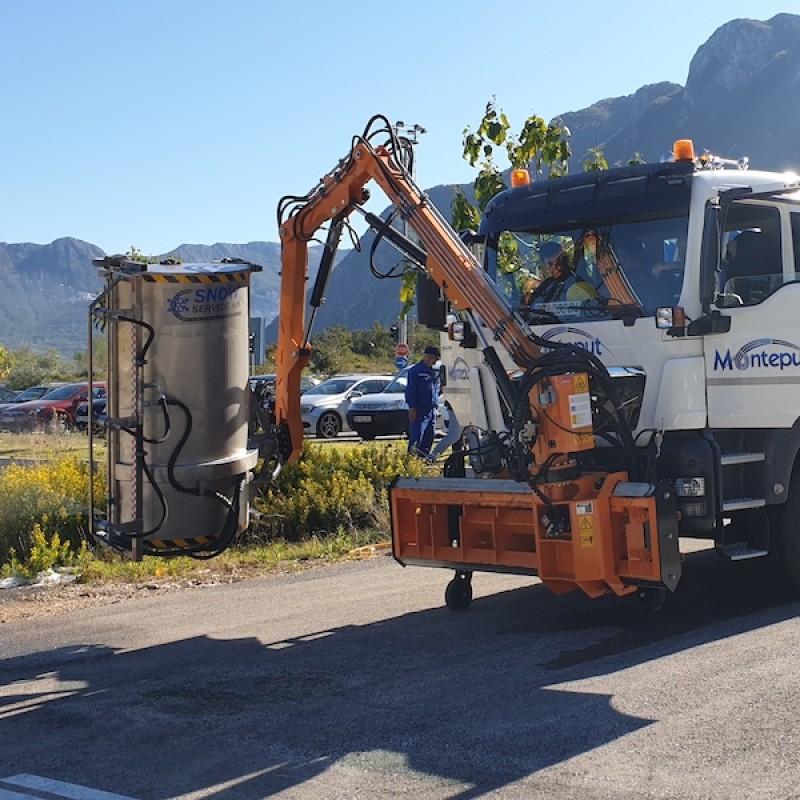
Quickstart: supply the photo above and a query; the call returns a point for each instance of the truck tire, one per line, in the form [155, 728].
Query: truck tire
[784, 539]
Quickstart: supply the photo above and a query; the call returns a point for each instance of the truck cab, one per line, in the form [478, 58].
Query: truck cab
[681, 277]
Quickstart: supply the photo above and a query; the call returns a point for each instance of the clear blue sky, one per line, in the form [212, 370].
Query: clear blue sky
[155, 123]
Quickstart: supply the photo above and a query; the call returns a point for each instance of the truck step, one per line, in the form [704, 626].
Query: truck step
[741, 503]
[742, 458]
[741, 551]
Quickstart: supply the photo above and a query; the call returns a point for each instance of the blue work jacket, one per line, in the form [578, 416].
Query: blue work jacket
[422, 389]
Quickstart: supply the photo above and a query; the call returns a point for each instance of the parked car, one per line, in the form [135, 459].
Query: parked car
[386, 413]
[266, 383]
[58, 405]
[31, 393]
[7, 395]
[98, 415]
[324, 407]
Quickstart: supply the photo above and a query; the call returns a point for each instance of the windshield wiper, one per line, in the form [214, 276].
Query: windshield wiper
[538, 316]
[627, 312]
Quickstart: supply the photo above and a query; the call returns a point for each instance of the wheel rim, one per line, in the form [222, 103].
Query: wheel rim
[328, 426]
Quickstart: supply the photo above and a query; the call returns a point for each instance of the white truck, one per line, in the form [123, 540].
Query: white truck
[705, 351]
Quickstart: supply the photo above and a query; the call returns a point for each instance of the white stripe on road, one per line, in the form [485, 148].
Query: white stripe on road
[4, 795]
[49, 789]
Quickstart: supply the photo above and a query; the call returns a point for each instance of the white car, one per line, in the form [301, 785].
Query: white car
[324, 407]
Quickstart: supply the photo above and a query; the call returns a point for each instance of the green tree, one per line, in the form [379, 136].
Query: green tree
[31, 368]
[332, 351]
[6, 362]
[338, 350]
[595, 161]
[374, 343]
[99, 358]
[538, 145]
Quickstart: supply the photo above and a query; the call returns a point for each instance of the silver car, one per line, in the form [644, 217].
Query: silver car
[324, 407]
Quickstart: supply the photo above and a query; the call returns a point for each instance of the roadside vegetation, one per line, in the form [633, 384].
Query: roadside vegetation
[339, 350]
[331, 504]
[326, 506]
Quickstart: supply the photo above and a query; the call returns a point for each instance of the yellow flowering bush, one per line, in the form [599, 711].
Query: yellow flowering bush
[49, 496]
[44, 553]
[332, 488]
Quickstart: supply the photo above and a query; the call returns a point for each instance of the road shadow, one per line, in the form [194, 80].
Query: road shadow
[464, 697]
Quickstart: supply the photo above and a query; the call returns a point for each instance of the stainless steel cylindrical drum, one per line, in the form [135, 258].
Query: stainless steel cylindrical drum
[179, 371]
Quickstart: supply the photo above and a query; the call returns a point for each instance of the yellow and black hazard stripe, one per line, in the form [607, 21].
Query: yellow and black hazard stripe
[182, 544]
[220, 277]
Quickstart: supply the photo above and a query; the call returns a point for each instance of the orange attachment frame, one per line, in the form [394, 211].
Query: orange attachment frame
[586, 537]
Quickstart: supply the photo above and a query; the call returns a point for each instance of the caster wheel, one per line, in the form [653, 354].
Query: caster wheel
[652, 599]
[458, 594]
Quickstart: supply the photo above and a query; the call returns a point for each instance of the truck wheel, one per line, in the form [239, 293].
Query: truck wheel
[784, 539]
[458, 594]
[329, 425]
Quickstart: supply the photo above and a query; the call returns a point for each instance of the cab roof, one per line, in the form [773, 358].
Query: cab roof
[641, 191]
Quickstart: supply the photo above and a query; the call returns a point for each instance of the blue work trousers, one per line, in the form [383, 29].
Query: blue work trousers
[421, 431]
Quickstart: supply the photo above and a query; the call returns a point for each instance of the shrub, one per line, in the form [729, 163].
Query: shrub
[44, 552]
[49, 496]
[332, 488]
[333, 498]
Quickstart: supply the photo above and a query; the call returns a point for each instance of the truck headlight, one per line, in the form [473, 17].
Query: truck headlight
[391, 405]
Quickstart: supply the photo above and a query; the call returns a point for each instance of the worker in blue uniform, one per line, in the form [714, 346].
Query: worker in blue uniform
[422, 397]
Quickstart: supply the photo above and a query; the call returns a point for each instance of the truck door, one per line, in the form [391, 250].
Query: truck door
[753, 371]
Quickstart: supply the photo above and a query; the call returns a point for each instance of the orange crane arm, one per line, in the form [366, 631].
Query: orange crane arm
[460, 276]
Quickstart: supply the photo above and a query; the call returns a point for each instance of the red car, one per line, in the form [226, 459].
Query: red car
[58, 405]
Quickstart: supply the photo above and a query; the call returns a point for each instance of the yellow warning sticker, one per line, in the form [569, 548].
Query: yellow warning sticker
[586, 532]
[581, 384]
[580, 409]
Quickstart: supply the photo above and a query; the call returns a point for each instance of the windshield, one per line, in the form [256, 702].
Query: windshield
[62, 393]
[583, 274]
[398, 384]
[332, 386]
[33, 393]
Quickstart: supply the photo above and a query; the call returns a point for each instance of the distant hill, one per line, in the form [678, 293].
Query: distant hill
[46, 294]
[742, 97]
[47, 289]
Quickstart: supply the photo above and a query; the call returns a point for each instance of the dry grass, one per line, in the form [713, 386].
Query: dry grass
[44, 445]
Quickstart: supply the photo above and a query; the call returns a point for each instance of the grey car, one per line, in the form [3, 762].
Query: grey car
[324, 407]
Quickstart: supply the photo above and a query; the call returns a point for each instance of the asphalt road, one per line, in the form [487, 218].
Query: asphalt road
[354, 681]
